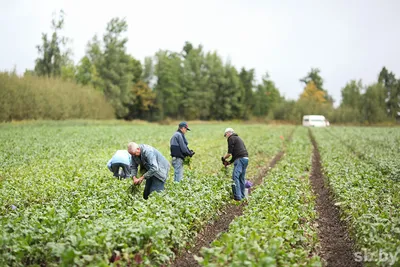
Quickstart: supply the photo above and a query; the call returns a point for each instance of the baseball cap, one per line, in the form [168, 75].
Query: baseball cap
[228, 130]
[184, 124]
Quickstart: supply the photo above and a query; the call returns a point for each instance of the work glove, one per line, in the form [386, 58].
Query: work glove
[192, 153]
[224, 162]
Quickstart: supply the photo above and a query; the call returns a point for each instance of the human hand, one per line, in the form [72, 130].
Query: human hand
[141, 179]
[137, 180]
[224, 162]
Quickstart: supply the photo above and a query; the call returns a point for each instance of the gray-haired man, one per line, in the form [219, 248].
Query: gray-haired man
[155, 164]
[238, 151]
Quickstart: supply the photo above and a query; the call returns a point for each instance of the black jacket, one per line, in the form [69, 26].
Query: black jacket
[236, 147]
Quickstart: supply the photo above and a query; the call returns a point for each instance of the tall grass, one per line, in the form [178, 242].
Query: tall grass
[33, 98]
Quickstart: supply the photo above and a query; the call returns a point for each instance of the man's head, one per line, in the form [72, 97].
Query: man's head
[183, 126]
[228, 132]
[133, 149]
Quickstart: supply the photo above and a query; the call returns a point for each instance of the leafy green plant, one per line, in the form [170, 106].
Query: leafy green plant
[359, 164]
[134, 189]
[60, 205]
[278, 225]
[187, 161]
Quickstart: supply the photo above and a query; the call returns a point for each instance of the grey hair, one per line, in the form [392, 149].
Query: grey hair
[132, 146]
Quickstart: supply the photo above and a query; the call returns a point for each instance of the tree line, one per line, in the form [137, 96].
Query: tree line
[197, 84]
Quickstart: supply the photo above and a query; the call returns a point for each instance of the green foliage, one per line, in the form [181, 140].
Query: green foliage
[247, 80]
[51, 57]
[278, 225]
[374, 107]
[60, 205]
[227, 103]
[267, 98]
[68, 72]
[136, 69]
[168, 70]
[350, 109]
[195, 84]
[35, 98]
[115, 67]
[134, 189]
[148, 70]
[187, 161]
[187, 48]
[361, 165]
[142, 103]
[392, 86]
[109, 68]
[86, 73]
[351, 94]
[197, 97]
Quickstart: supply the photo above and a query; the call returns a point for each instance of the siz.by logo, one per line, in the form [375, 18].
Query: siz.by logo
[380, 256]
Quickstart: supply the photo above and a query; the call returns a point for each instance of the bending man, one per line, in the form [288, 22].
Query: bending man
[155, 165]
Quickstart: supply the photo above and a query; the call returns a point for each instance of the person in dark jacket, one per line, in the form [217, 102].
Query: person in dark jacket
[237, 150]
[180, 150]
[153, 162]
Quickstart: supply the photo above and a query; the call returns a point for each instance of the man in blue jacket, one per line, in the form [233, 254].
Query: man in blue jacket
[120, 164]
[155, 165]
[179, 150]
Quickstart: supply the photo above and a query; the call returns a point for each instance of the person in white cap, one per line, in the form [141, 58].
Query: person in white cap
[240, 158]
[155, 165]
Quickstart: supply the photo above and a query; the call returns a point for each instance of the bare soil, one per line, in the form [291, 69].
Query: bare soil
[212, 230]
[337, 248]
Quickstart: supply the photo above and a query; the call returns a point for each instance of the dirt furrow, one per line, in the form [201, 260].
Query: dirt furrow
[211, 231]
[337, 248]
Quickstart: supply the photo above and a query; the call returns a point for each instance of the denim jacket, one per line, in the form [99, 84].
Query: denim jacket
[153, 161]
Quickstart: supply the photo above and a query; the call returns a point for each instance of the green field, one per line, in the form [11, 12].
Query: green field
[60, 204]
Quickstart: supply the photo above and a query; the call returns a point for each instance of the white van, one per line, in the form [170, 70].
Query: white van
[315, 121]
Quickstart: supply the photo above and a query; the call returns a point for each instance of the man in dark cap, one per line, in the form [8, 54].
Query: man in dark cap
[179, 150]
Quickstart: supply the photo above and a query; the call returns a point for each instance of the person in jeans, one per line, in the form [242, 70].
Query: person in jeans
[179, 150]
[120, 164]
[155, 165]
[238, 151]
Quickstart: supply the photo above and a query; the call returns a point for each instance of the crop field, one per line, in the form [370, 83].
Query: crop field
[61, 206]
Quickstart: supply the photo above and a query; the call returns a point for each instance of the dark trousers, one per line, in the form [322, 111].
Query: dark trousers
[125, 170]
[152, 184]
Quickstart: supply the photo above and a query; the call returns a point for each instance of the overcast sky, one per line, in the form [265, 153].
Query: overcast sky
[346, 39]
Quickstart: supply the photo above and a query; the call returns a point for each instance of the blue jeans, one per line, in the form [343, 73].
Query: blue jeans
[152, 184]
[239, 178]
[177, 163]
